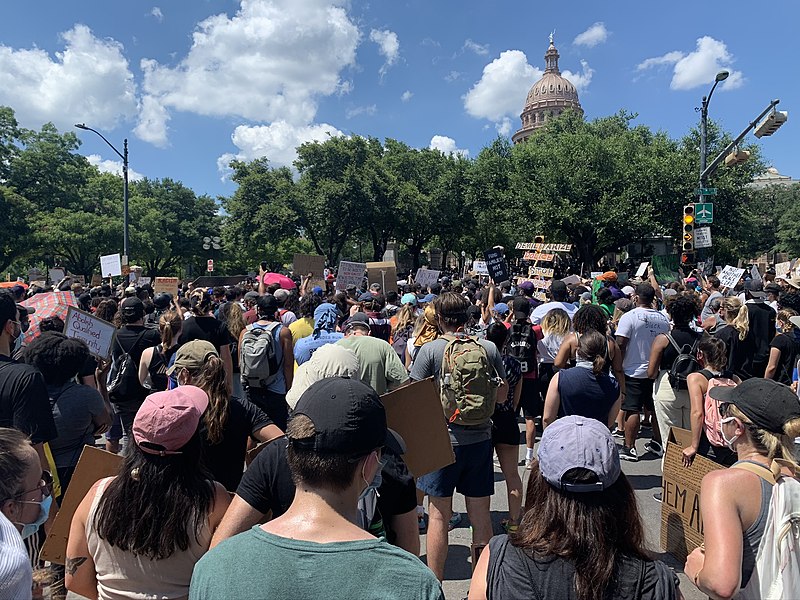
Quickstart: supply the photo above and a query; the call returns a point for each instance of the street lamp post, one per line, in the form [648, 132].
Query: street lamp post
[124, 157]
[721, 76]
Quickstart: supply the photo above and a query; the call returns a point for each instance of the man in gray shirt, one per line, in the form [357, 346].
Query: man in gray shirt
[472, 474]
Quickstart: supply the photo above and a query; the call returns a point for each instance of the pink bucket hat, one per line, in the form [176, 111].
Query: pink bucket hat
[166, 421]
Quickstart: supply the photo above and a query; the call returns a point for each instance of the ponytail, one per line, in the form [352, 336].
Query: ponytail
[593, 346]
[170, 324]
[211, 379]
[742, 322]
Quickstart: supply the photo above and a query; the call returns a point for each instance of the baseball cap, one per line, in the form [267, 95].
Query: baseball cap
[628, 291]
[526, 285]
[578, 442]
[348, 418]
[429, 298]
[358, 319]
[558, 287]
[767, 403]
[281, 295]
[132, 308]
[192, 355]
[608, 276]
[166, 421]
[251, 295]
[501, 308]
[521, 307]
[316, 290]
[162, 301]
[772, 288]
[366, 297]
[409, 299]
[330, 360]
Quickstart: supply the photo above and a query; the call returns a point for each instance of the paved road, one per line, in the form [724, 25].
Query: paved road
[645, 477]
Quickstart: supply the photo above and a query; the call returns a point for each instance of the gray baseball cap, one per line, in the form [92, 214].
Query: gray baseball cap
[578, 442]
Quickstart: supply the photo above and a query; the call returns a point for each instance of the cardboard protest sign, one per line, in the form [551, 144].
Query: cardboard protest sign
[541, 272]
[97, 280]
[496, 264]
[303, 264]
[681, 523]
[730, 276]
[96, 333]
[666, 268]
[415, 412]
[166, 285]
[110, 265]
[479, 267]
[384, 273]
[544, 247]
[93, 465]
[640, 272]
[350, 273]
[540, 296]
[538, 256]
[541, 284]
[56, 275]
[144, 280]
[426, 277]
[783, 269]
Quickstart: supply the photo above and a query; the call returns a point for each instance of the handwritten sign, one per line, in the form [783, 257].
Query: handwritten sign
[544, 247]
[143, 280]
[303, 264]
[730, 276]
[541, 272]
[642, 269]
[540, 296]
[479, 267]
[96, 333]
[427, 277]
[496, 264]
[166, 285]
[783, 269]
[538, 256]
[350, 273]
[110, 265]
[541, 284]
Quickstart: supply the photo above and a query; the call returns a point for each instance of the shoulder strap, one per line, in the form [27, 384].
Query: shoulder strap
[760, 470]
[674, 343]
[707, 374]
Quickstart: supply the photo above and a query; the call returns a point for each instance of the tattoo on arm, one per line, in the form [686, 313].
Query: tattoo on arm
[72, 564]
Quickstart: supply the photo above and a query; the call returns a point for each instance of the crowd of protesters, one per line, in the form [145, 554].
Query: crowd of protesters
[584, 375]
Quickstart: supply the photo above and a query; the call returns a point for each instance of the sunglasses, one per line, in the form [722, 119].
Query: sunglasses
[45, 486]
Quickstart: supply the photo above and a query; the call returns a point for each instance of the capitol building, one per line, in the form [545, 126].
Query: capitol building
[548, 97]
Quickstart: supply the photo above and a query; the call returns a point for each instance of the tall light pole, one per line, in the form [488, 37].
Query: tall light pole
[124, 157]
[721, 76]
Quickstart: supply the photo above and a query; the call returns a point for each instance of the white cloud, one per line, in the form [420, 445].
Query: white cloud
[452, 76]
[479, 49]
[112, 166]
[504, 127]
[87, 82]
[388, 46]
[447, 145]
[277, 141]
[580, 80]
[361, 110]
[270, 62]
[699, 67]
[156, 12]
[502, 89]
[596, 34]
[406, 96]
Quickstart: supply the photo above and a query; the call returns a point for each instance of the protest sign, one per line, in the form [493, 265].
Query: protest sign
[702, 237]
[96, 280]
[538, 256]
[384, 273]
[543, 247]
[783, 269]
[110, 265]
[571, 279]
[596, 274]
[541, 284]
[350, 273]
[143, 280]
[415, 412]
[96, 333]
[541, 272]
[540, 296]
[166, 285]
[666, 268]
[479, 267]
[730, 276]
[496, 264]
[93, 465]
[427, 277]
[642, 269]
[56, 275]
[681, 523]
[303, 264]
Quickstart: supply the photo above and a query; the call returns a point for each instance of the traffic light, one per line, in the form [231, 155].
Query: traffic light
[770, 124]
[688, 229]
[687, 258]
[736, 157]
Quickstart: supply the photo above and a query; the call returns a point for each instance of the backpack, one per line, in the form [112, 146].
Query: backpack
[684, 364]
[467, 382]
[711, 418]
[258, 358]
[400, 342]
[521, 345]
[123, 378]
[777, 569]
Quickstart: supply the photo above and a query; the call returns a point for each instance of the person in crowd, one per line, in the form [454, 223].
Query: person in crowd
[672, 406]
[380, 367]
[202, 325]
[760, 418]
[605, 300]
[272, 398]
[635, 336]
[80, 412]
[403, 326]
[230, 422]
[761, 323]
[161, 304]
[505, 431]
[710, 294]
[425, 330]
[581, 535]
[231, 315]
[331, 472]
[735, 332]
[558, 295]
[25, 502]
[156, 359]
[304, 325]
[249, 302]
[326, 316]
[784, 348]
[283, 298]
[472, 473]
[141, 532]
[586, 390]
[556, 324]
[706, 436]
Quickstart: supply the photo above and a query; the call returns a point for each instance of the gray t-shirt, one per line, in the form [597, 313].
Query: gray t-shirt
[429, 363]
[707, 312]
[75, 407]
[641, 326]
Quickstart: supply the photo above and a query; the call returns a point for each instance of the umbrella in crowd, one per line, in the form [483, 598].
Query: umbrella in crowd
[281, 280]
[48, 304]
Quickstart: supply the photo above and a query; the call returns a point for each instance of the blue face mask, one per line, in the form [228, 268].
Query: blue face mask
[28, 529]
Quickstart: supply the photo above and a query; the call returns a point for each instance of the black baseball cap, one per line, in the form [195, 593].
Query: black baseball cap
[348, 418]
[359, 319]
[162, 301]
[768, 404]
[132, 308]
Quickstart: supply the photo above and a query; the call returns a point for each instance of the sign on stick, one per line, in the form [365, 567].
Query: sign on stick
[96, 333]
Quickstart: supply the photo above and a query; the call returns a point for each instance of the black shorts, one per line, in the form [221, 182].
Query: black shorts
[638, 394]
[530, 400]
[505, 429]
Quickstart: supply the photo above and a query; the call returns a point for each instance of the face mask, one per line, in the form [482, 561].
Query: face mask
[375, 484]
[17, 344]
[728, 442]
[28, 529]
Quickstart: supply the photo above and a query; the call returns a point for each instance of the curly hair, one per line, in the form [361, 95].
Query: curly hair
[590, 316]
[58, 357]
[683, 307]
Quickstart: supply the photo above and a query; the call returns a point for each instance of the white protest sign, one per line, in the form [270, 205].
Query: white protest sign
[571, 279]
[144, 280]
[596, 274]
[479, 267]
[730, 276]
[642, 269]
[783, 269]
[110, 265]
[427, 277]
[702, 237]
[350, 273]
[56, 275]
[97, 333]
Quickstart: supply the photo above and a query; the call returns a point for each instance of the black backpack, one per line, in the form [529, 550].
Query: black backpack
[521, 345]
[684, 364]
[400, 342]
[123, 379]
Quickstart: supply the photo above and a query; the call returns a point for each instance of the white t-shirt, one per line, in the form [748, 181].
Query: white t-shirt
[540, 311]
[640, 326]
[15, 568]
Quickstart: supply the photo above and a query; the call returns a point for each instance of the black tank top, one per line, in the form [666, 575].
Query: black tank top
[157, 370]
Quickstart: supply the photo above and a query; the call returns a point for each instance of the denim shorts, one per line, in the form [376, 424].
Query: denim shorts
[472, 474]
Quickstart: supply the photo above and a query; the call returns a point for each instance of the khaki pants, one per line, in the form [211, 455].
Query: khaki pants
[673, 408]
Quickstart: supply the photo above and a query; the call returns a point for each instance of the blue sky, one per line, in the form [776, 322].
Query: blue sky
[193, 84]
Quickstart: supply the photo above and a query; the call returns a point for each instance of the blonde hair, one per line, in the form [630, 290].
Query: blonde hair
[405, 318]
[784, 316]
[233, 318]
[556, 322]
[772, 445]
[169, 324]
[736, 315]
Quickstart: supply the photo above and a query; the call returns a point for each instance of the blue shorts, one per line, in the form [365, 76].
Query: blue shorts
[472, 474]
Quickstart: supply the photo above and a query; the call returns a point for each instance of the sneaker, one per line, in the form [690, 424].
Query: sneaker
[654, 447]
[528, 464]
[626, 453]
[657, 497]
[455, 520]
[618, 433]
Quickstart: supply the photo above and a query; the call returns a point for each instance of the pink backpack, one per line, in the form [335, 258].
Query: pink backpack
[711, 416]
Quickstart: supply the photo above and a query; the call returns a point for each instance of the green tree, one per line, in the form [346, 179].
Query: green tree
[788, 214]
[14, 213]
